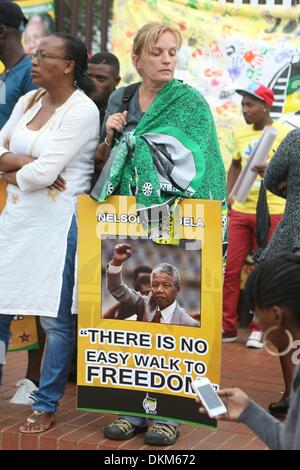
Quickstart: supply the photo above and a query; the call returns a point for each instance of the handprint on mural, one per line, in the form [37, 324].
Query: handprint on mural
[215, 49]
[276, 23]
[236, 68]
[237, 48]
[267, 51]
[252, 58]
[229, 143]
[201, 52]
[254, 75]
[284, 55]
[192, 41]
[226, 30]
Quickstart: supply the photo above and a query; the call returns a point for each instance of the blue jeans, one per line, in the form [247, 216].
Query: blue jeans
[5, 321]
[60, 337]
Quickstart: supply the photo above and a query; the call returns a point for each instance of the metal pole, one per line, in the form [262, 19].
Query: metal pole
[89, 24]
[74, 17]
[60, 10]
[104, 24]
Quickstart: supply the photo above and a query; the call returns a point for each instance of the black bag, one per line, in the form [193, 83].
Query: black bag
[128, 94]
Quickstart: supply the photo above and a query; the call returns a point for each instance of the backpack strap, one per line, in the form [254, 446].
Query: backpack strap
[35, 98]
[128, 94]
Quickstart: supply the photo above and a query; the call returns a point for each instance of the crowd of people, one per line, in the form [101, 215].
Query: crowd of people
[66, 130]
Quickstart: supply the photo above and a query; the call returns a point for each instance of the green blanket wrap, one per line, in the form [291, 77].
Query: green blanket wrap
[189, 166]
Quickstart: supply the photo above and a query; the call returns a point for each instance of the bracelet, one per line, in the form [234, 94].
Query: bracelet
[106, 142]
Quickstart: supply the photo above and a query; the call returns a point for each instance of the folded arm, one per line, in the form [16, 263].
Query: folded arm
[12, 162]
[75, 133]
[8, 160]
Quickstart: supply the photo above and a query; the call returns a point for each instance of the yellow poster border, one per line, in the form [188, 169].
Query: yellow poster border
[89, 290]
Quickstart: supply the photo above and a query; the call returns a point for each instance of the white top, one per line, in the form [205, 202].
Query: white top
[168, 312]
[35, 222]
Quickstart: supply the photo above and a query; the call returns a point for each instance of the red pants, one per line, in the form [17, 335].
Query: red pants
[241, 240]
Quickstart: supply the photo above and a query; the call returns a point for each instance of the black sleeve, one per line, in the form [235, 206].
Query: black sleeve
[278, 166]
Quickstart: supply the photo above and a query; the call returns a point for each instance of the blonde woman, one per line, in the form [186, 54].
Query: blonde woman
[163, 147]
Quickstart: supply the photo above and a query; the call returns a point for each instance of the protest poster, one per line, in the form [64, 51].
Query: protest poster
[3, 194]
[37, 7]
[41, 22]
[128, 363]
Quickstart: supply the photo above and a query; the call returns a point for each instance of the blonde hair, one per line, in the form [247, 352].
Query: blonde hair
[147, 36]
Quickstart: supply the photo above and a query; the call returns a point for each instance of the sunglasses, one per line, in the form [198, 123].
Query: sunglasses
[42, 55]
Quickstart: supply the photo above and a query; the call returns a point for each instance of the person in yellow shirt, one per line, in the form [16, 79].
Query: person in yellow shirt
[243, 235]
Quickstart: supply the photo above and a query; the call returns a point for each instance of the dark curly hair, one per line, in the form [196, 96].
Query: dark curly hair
[276, 282]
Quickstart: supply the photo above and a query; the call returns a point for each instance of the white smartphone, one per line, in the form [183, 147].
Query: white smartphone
[209, 397]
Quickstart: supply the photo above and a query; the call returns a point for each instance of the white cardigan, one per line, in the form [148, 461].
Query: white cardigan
[35, 222]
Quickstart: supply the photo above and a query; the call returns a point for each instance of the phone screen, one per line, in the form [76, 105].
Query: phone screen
[210, 396]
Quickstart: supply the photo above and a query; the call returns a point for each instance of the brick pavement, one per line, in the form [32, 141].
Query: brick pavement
[257, 373]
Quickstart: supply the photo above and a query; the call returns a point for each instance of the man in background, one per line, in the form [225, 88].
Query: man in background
[15, 81]
[104, 69]
[243, 231]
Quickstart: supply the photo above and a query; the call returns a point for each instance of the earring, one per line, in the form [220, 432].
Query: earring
[281, 353]
[65, 72]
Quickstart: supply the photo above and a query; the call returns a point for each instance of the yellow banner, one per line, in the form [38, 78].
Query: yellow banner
[37, 7]
[127, 363]
[43, 24]
[23, 328]
[3, 185]
[23, 334]
[224, 47]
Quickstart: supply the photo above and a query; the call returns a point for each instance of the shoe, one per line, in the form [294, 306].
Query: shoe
[279, 408]
[229, 336]
[161, 434]
[38, 421]
[121, 429]
[24, 394]
[254, 340]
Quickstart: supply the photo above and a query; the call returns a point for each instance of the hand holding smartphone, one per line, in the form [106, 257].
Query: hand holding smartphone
[209, 397]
